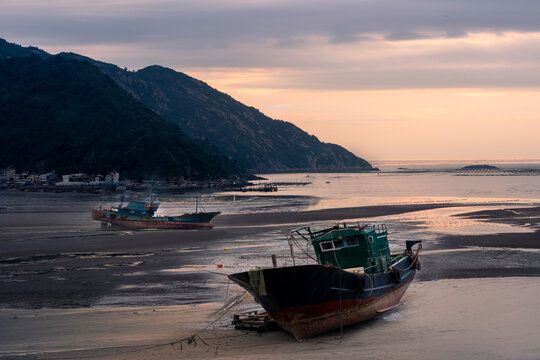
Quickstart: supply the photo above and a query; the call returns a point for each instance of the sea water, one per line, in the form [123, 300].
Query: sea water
[397, 182]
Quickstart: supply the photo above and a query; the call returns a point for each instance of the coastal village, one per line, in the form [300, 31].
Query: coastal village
[10, 178]
[110, 182]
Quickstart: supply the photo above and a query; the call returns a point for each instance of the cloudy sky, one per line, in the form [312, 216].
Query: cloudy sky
[453, 79]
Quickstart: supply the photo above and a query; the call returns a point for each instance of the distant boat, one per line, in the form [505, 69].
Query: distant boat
[355, 279]
[140, 214]
[261, 187]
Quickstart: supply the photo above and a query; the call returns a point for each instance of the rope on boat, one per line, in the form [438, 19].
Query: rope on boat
[335, 257]
[295, 242]
[340, 308]
[227, 292]
[192, 338]
[370, 281]
[415, 260]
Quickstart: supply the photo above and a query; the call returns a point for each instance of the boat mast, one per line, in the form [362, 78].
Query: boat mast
[290, 239]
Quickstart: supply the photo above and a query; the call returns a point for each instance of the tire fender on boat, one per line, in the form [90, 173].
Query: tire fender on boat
[359, 282]
[396, 275]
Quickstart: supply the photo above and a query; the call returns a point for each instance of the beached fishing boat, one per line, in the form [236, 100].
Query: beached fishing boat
[355, 277]
[140, 214]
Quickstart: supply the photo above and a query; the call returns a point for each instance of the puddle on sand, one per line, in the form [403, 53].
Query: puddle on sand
[148, 294]
[65, 269]
[153, 300]
[142, 286]
[190, 250]
[132, 264]
[57, 278]
[188, 268]
[90, 255]
[429, 225]
[479, 248]
[135, 273]
[101, 267]
[444, 221]
[393, 316]
[249, 246]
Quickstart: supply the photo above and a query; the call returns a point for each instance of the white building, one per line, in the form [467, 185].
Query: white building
[48, 177]
[113, 176]
[73, 179]
[7, 174]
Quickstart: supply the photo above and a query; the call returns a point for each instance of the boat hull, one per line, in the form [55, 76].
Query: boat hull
[308, 321]
[184, 222]
[312, 299]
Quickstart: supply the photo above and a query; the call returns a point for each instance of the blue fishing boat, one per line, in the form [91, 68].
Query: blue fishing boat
[141, 215]
[354, 277]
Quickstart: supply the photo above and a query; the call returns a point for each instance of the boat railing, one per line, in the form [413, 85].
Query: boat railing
[379, 228]
[312, 232]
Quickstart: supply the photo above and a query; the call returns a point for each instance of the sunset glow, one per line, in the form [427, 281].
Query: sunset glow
[423, 80]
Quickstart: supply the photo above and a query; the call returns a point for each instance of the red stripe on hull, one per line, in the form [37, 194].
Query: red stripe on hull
[100, 216]
[307, 321]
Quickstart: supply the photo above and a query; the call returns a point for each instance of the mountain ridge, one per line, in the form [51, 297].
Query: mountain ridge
[239, 132]
[242, 132]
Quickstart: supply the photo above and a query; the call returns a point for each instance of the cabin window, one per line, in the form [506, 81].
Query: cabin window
[339, 244]
[327, 246]
[171, 218]
[352, 242]
[370, 239]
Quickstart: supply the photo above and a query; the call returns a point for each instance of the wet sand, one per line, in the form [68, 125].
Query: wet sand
[71, 290]
[57, 258]
[443, 319]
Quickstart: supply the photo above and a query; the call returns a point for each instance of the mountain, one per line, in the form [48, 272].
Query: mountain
[239, 132]
[65, 114]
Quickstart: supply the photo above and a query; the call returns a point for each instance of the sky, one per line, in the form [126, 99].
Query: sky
[407, 79]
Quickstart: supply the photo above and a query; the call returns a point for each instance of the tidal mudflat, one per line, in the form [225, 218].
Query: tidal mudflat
[72, 290]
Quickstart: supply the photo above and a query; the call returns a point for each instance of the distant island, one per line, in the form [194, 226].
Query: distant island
[480, 167]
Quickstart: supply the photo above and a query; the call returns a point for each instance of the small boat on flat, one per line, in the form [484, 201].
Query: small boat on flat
[355, 277]
[140, 215]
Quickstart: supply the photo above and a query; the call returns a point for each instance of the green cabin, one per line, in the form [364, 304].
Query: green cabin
[346, 247]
